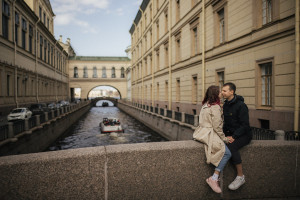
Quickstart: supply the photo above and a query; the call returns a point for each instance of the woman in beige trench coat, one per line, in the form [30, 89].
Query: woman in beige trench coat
[210, 133]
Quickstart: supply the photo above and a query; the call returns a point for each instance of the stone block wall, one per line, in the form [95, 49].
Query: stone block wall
[165, 170]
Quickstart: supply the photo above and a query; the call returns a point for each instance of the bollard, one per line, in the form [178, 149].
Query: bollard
[26, 124]
[183, 117]
[10, 130]
[279, 135]
[38, 121]
[46, 116]
[196, 120]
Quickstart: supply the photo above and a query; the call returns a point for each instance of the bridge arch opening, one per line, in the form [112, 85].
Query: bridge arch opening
[104, 91]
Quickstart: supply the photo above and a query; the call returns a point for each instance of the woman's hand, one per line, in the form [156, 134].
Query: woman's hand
[231, 139]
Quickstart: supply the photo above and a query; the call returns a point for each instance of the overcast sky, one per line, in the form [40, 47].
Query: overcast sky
[95, 27]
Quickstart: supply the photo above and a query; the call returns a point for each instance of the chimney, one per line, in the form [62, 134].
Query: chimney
[60, 38]
[68, 41]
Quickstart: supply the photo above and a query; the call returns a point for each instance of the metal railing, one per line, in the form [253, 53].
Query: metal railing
[262, 134]
[169, 113]
[292, 135]
[189, 119]
[16, 127]
[32, 122]
[4, 132]
[162, 111]
[178, 116]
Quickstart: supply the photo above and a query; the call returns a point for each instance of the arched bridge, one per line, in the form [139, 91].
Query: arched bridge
[113, 100]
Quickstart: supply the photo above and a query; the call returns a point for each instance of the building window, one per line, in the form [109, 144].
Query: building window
[41, 47]
[47, 22]
[195, 41]
[194, 89]
[221, 26]
[157, 91]
[104, 72]
[5, 18]
[266, 11]
[151, 65]
[178, 51]
[40, 12]
[24, 30]
[177, 10]
[145, 67]
[167, 55]
[178, 90]
[157, 30]
[7, 85]
[166, 91]
[44, 18]
[122, 72]
[95, 72]
[30, 38]
[151, 93]
[17, 23]
[45, 50]
[52, 56]
[220, 79]
[48, 60]
[113, 72]
[157, 60]
[266, 83]
[166, 21]
[75, 72]
[150, 37]
[85, 72]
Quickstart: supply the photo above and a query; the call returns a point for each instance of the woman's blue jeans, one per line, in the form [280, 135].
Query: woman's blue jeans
[224, 160]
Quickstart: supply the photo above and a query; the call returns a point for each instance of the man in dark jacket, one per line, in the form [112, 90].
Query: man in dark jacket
[236, 128]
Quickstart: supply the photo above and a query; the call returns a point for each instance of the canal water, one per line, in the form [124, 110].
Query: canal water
[86, 132]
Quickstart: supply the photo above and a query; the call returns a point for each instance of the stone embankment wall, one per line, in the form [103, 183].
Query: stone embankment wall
[39, 138]
[169, 128]
[165, 170]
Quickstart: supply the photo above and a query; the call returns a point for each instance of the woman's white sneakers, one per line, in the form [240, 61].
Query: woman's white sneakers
[238, 182]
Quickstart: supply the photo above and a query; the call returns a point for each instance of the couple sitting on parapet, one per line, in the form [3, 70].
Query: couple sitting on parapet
[222, 142]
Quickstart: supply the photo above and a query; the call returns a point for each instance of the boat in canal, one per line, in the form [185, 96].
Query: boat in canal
[104, 104]
[109, 125]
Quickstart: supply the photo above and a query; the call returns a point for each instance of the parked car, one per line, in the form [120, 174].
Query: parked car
[39, 108]
[64, 103]
[52, 106]
[19, 114]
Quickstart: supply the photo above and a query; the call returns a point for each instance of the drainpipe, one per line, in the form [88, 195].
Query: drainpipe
[15, 55]
[36, 60]
[203, 48]
[170, 56]
[297, 38]
[152, 52]
[142, 50]
[55, 53]
[133, 68]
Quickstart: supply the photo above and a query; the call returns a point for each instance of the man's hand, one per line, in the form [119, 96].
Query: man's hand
[231, 139]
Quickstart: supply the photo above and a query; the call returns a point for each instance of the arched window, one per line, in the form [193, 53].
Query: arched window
[85, 72]
[95, 72]
[122, 72]
[103, 72]
[75, 72]
[113, 72]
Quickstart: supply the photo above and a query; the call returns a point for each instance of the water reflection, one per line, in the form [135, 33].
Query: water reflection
[86, 132]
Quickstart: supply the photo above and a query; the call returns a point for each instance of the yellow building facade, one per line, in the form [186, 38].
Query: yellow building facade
[89, 72]
[180, 48]
[33, 64]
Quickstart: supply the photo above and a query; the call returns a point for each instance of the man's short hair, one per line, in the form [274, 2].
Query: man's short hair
[231, 86]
